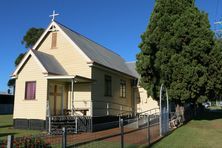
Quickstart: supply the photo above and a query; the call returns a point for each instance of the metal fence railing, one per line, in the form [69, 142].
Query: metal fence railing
[126, 132]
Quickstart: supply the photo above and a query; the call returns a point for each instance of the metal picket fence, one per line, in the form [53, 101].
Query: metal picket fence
[128, 132]
[142, 130]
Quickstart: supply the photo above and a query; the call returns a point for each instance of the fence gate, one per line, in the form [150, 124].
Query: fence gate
[164, 111]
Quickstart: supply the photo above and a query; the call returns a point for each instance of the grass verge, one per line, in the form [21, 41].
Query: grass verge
[205, 131]
[6, 128]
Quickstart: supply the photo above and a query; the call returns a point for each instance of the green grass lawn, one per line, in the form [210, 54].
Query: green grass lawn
[6, 128]
[205, 131]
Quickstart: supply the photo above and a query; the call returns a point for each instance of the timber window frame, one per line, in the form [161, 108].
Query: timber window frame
[30, 90]
[108, 86]
[122, 88]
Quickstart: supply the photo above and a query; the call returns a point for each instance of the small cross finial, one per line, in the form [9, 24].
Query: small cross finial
[54, 14]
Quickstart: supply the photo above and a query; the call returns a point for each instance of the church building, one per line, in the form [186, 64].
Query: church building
[66, 74]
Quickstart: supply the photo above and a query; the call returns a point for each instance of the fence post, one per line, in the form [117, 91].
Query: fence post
[148, 132]
[64, 134]
[50, 123]
[122, 133]
[119, 122]
[107, 109]
[76, 124]
[137, 121]
[10, 141]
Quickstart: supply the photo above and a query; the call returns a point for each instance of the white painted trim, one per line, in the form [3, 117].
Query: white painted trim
[43, 35]
[30, 52]
[61, 77]
[14, 77]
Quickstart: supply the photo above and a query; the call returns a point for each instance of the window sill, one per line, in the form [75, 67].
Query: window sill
[29, 100]
[123, 97]
[53, 48]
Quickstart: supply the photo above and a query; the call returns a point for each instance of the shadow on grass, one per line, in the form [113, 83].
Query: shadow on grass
[209, 115]
[4, 126]
[6, 134]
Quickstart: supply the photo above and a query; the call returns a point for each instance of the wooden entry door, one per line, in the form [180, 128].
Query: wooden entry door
[56, 100]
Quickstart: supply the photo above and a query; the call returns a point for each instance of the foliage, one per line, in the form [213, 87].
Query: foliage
[27, 142]
[214, 87]
[3, 143]
[30, 142]
[31, 36]
[175, 51]
[19, 58]
[11, 82]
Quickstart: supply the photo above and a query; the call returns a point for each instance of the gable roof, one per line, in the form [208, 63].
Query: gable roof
[47, 63]
[92, 51]
[96, 52]
[50, 63]
[24, 60]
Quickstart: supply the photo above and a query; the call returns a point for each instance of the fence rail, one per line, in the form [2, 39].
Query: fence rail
[142, 130]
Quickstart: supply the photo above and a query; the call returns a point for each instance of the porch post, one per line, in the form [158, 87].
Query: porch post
[62, 100]
[48, 109]
[72, 89]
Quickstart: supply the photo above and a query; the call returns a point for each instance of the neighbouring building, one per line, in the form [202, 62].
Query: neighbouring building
[6, 103]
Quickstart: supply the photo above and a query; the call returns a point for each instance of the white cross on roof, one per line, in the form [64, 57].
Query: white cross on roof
[53, 15]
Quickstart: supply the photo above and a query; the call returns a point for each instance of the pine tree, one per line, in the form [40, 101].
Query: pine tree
[175, 51]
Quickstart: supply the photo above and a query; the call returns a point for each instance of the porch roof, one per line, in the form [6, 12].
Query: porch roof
[76, 78]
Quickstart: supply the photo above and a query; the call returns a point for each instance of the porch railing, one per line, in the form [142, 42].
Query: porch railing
[73, 124]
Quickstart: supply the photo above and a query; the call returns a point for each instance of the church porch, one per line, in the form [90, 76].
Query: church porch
[68, 104]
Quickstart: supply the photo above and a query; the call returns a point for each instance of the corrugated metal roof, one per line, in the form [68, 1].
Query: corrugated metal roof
[97, 53]
[50, 63]
[132, 68]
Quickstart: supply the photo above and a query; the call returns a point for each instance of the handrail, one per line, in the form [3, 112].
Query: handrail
[148, 111]
[122, 113]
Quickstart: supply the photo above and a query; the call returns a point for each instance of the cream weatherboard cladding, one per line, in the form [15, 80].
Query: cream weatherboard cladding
[68, 56]
[82, 94]
[29, 109]
[74, 64]
[144, 101]
[114, 105]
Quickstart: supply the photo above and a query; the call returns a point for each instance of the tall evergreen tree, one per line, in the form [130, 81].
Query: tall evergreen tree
[214, 86]
[175, 51]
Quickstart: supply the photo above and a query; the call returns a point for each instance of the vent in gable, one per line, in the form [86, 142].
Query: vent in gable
[54, 40]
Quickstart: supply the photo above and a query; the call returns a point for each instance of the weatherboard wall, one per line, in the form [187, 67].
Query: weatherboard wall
[82, 97]
[110, 105]
[30, 109]
[73, 62]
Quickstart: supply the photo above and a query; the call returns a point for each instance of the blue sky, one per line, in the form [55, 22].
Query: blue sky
[116, 24]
